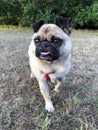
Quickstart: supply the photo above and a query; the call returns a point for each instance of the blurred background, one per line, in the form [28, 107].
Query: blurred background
[25, 12]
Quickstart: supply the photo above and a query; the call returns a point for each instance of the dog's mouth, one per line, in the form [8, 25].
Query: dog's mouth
[48, 54]
[45, 53]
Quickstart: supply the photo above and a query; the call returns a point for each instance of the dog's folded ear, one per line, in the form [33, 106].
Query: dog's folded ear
[37, 25]
[64, 23]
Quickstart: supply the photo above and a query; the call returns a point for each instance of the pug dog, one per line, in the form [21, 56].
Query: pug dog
[50, 55]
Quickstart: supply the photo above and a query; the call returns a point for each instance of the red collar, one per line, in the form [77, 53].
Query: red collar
[47, 75]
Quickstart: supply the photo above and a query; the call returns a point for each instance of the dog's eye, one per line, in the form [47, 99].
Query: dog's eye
[57, 41]
[37, 40]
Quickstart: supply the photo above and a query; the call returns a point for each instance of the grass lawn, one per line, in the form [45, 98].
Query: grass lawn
[21, 103]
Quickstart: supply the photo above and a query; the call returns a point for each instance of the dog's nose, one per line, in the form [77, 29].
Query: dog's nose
[44, 44]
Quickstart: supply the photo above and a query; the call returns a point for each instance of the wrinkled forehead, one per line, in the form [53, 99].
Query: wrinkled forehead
[49, 30]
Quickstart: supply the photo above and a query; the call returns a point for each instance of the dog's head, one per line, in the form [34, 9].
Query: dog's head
[51, 40]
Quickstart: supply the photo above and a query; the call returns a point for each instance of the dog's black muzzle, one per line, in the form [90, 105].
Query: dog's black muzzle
[46, 51]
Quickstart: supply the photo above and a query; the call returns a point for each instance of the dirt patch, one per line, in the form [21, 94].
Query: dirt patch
[22, 105]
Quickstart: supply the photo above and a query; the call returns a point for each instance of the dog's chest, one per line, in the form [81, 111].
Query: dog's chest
[53, 68]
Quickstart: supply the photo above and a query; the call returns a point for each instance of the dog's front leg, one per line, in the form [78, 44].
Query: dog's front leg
[45, 92]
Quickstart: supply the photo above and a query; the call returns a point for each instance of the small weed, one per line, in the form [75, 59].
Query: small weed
[19, 105]
[46, 123]
[14, 111]
[68, 80]
[41, 115]
[32, 99]
[72, 103]
[1, 118]
[67, 125]
[2, 80]
[83, 125]
[95, 103]
[36, 129]
[9, 123]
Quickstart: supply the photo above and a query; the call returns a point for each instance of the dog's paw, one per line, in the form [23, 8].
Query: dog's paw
[56, 90]
[49, 107]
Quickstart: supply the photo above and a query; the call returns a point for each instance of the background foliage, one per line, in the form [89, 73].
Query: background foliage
[24, 12]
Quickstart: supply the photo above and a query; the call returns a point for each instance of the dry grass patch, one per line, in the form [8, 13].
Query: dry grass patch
[22, 105]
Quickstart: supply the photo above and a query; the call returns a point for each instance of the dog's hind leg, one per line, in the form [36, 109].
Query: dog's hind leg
[59, 84]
